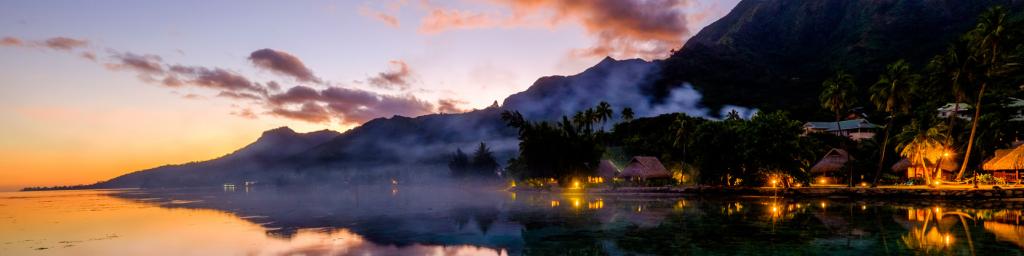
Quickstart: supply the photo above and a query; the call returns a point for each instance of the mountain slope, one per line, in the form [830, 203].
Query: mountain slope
[773, 54]
[248, 163]
[767, 54]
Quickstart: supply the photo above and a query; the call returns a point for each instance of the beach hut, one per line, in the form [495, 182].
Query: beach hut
[606, 171]
[833, 161]
[644, 168]
[949, 165]
[1006, 164]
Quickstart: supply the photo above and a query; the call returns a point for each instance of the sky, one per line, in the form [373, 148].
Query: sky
[90, 90]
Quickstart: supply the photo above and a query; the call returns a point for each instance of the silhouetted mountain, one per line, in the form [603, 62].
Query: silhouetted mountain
[621, 83]
[428, 139]
[248, 163]
[766, 54]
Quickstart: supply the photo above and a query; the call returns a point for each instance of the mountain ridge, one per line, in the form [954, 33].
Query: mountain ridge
[762, 54]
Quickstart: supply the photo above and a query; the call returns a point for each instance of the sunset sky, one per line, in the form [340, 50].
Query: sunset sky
[93, 89]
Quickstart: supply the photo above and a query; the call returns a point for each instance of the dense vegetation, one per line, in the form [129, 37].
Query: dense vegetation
[481, 165]
[726, 152]
[981, 68]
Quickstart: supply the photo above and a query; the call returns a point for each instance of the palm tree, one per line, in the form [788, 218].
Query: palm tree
[953, 70]
[591, 118]
[986, 39]
[891, 94]
[923, 145]
[733, 115]
[837, 97]
[627, 114]
[604, 112]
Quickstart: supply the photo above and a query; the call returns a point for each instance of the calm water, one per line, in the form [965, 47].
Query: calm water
[429, 221]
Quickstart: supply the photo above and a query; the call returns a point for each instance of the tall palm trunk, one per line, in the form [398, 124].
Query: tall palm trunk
[881, 160]
[974, 129]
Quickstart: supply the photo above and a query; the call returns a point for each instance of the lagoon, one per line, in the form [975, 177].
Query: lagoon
[427, 220]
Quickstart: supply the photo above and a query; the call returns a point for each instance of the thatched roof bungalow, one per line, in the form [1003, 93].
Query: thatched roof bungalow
[1006, 164]
[949, 165]
[606, 169]
[1006, 160]
[833, 161]
[645, 167]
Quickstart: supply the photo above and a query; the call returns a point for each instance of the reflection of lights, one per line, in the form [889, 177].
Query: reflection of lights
[513, 195]
[823, 204]
[863, 207]
[575, 203]
[394, 181]
[394, 191]
[639, 208]
[555, 203]
[680, 204]
[947, 239]
[596, 204]
[774, 182]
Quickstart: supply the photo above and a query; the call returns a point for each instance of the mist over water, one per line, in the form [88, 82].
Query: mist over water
[467, 218]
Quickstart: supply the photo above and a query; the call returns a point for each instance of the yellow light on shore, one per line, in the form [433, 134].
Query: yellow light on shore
[863, 184]
[555, 203]
[774, 182]
[823, 180]
[937, 183]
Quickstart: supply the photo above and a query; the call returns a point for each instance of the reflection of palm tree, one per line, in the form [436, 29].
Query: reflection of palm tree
[926, 239]
[891, 94]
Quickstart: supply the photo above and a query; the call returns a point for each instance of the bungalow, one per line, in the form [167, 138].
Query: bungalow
[947, 169]
[606, 171]
[960, 110]
[1006, 164]
[832, 162]
[644, 168]
[856, 129]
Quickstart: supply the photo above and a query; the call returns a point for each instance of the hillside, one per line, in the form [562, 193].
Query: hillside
[773, 54]
[248, 163]
[765, 54]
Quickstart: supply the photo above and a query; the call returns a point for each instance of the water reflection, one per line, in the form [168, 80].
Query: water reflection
[410, 220]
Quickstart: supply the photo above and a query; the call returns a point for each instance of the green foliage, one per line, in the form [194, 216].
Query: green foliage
[561, 150]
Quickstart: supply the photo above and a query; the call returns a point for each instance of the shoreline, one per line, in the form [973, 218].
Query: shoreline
[889, 193]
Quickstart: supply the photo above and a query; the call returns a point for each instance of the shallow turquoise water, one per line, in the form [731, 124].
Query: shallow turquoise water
[411, 220]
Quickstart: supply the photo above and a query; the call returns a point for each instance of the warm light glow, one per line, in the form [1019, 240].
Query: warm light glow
[863, 184]
[575, 185]
[937, 183]
[863, 207]
[575, 203]
[823, 180]
[555, 203]
[798, 185]
[823, 204]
